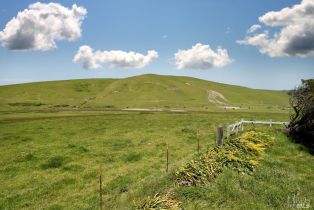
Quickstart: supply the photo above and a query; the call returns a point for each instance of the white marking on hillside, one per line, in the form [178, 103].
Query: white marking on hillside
[216, 97]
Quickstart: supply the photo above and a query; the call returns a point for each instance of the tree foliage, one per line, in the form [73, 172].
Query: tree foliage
[302, 118]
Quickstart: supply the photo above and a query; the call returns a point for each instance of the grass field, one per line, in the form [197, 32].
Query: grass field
[50, 160]
[53, 135]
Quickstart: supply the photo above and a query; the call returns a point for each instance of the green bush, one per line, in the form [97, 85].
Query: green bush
[301, 125]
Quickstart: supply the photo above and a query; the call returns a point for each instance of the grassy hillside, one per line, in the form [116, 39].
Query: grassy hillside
[145, 91]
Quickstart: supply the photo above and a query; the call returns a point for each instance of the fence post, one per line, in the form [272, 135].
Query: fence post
[100, 186]
[270, 123]
[167, 166]
[220, 135]
[198, 145]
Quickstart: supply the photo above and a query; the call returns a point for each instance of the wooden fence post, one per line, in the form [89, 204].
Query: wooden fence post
[100, 186]
[220, 135]
[270, 123]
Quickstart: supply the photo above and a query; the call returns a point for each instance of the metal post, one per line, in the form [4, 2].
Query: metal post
[167, 166]
[100, 186]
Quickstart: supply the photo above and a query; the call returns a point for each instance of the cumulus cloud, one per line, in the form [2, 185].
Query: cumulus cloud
[296, 34]
[39, 26]
[91, 59]
[254, 28]
[201, 57]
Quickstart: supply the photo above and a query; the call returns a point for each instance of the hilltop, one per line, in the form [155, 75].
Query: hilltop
[144, 91]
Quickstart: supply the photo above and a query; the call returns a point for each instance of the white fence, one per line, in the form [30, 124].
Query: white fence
[239, 126]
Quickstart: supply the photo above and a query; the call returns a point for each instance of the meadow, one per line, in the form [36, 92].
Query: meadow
[54, 135]
[50, 160]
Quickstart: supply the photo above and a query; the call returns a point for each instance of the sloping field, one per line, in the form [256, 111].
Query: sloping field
[145, 91]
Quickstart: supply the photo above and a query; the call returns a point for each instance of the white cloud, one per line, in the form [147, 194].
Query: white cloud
[39, 26]
[115, 58]
[296, 35]
[254, 28]
[201, 57]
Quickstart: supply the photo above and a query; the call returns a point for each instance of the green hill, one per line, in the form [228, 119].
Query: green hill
[145, 91]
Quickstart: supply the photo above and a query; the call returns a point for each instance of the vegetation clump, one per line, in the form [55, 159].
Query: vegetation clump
[167, 201]
[241, 154]
[133, 157]
[54, 162]
[82, 87]
[189, 130]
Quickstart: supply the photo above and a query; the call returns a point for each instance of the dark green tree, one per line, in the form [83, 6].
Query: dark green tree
[301, 124]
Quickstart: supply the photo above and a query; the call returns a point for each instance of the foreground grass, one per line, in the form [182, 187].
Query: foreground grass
[51, 160]
[283, 180]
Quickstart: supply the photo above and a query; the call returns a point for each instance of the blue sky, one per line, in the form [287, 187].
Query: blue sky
[164, 26]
